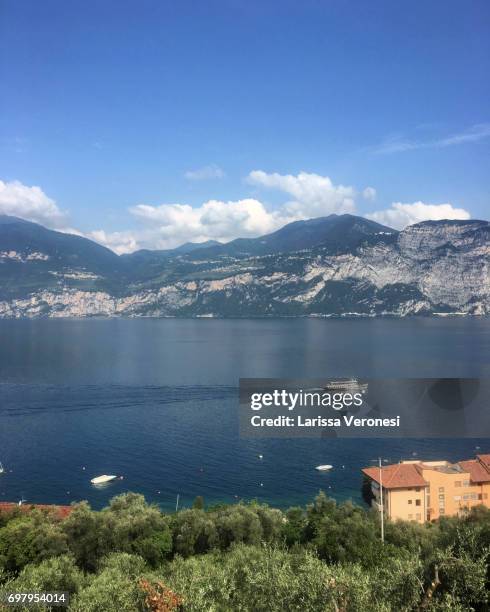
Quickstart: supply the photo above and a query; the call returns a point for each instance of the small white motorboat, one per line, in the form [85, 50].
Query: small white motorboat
[2, 469]
[103, 479]
[324, 468]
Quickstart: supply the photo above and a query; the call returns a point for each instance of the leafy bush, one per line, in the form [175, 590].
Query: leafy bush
[30, 538]
[55, 574]
[127, 525]
[130, 557]
[115, 588]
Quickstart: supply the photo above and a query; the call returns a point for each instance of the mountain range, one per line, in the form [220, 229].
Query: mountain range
[330, 266]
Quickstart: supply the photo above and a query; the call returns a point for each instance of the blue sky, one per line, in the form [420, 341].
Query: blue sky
[148, 123]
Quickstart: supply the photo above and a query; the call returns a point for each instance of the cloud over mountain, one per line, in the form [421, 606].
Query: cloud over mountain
[164, 226]
[168, 225]
[30, 203]
[400, 215]
[171, 224]
[314, 195]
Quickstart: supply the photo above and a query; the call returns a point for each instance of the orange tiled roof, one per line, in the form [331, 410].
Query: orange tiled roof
[61, 511]
[485, 459]
[398, 476]
[477, 470]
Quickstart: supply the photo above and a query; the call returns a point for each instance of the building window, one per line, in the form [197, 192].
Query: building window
[441, 511]
[409, 501]
[466, 483]
[457, 483]
[417, 502]
[418, 516]
[441, 497]
[457, 498]
[441, 489]
[417, 489]
[480, 496]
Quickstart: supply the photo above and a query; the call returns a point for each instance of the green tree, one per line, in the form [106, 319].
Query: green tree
[115, 588]
[55, 574]
[129, 525]
[294, 526]
[138, 528]
[194, 532]
[344, 533]
[87, 535]
[30, 538]
[248, 557]
[267, 579]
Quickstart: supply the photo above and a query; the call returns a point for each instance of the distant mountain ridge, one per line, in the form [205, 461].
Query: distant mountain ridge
[156, 255]
[336, 232]
[330, 266]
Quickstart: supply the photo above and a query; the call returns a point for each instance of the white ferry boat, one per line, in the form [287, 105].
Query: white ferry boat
[346, 385]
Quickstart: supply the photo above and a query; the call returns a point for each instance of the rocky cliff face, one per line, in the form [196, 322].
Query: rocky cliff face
[431, 267]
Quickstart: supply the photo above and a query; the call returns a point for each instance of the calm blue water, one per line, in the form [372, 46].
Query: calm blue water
[156, 401]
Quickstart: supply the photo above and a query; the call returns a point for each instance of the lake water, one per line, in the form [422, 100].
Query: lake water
[156, 400]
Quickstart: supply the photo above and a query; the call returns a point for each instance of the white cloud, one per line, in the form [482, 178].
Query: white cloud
[119, 242]
[205, 173]
[475, 133]
[169, 225]
[369, 194]
[400, 215]
[166, 226]
[314, 195]
[30, 203]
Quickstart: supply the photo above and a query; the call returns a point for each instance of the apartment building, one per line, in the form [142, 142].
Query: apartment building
[425, 490]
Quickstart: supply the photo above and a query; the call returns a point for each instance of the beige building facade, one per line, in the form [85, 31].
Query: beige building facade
[423, 491]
